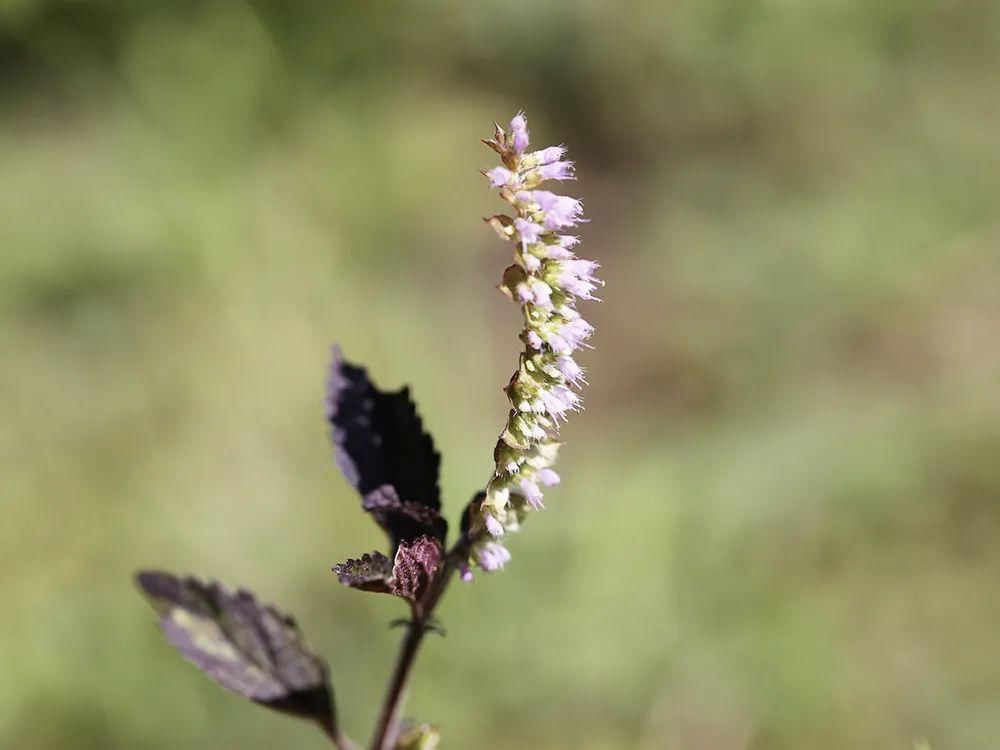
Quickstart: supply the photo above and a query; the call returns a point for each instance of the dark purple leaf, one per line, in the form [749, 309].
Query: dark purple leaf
[369, 573]
[416, 565]
[403, 520]
[379, 438]
[253, 650]
[408, 576]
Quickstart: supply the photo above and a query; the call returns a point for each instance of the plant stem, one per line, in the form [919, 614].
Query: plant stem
[392, 707]
[387, 728]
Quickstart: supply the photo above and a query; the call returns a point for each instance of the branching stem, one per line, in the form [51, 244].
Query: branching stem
[387, 727]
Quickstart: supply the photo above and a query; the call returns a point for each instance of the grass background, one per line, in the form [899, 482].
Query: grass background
[778, 522]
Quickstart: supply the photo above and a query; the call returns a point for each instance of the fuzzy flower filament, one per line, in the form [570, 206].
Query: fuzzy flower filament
[546, 280]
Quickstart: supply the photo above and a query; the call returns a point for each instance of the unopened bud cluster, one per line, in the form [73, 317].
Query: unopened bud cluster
[546, 279]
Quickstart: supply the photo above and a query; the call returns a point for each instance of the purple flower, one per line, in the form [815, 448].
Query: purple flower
[464, 572]
[558, 400]
[548, 477]
[493, 525]
[568, 312]
[569, 399]
[541, 292]
[582, 268]
[534, 291]
[551, 280]
[581, 288]
[562, 212]
[570, 369]
[529, 231]
[559, 170]
[532, 494]
[547, 155]
[577, 277]
[500, 176]
[558, 344]
[519, 131]
[575, 332]
[526, 197]
[490, 556]
[557, 252]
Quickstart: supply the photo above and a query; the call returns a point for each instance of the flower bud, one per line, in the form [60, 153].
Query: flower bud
[519, 133]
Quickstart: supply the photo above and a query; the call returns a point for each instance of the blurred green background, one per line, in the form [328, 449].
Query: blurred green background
[779, 518]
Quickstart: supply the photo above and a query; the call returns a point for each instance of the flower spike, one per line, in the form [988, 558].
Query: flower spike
[546, 280]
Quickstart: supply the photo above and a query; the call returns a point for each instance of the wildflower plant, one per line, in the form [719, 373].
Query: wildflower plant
[381, 447]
